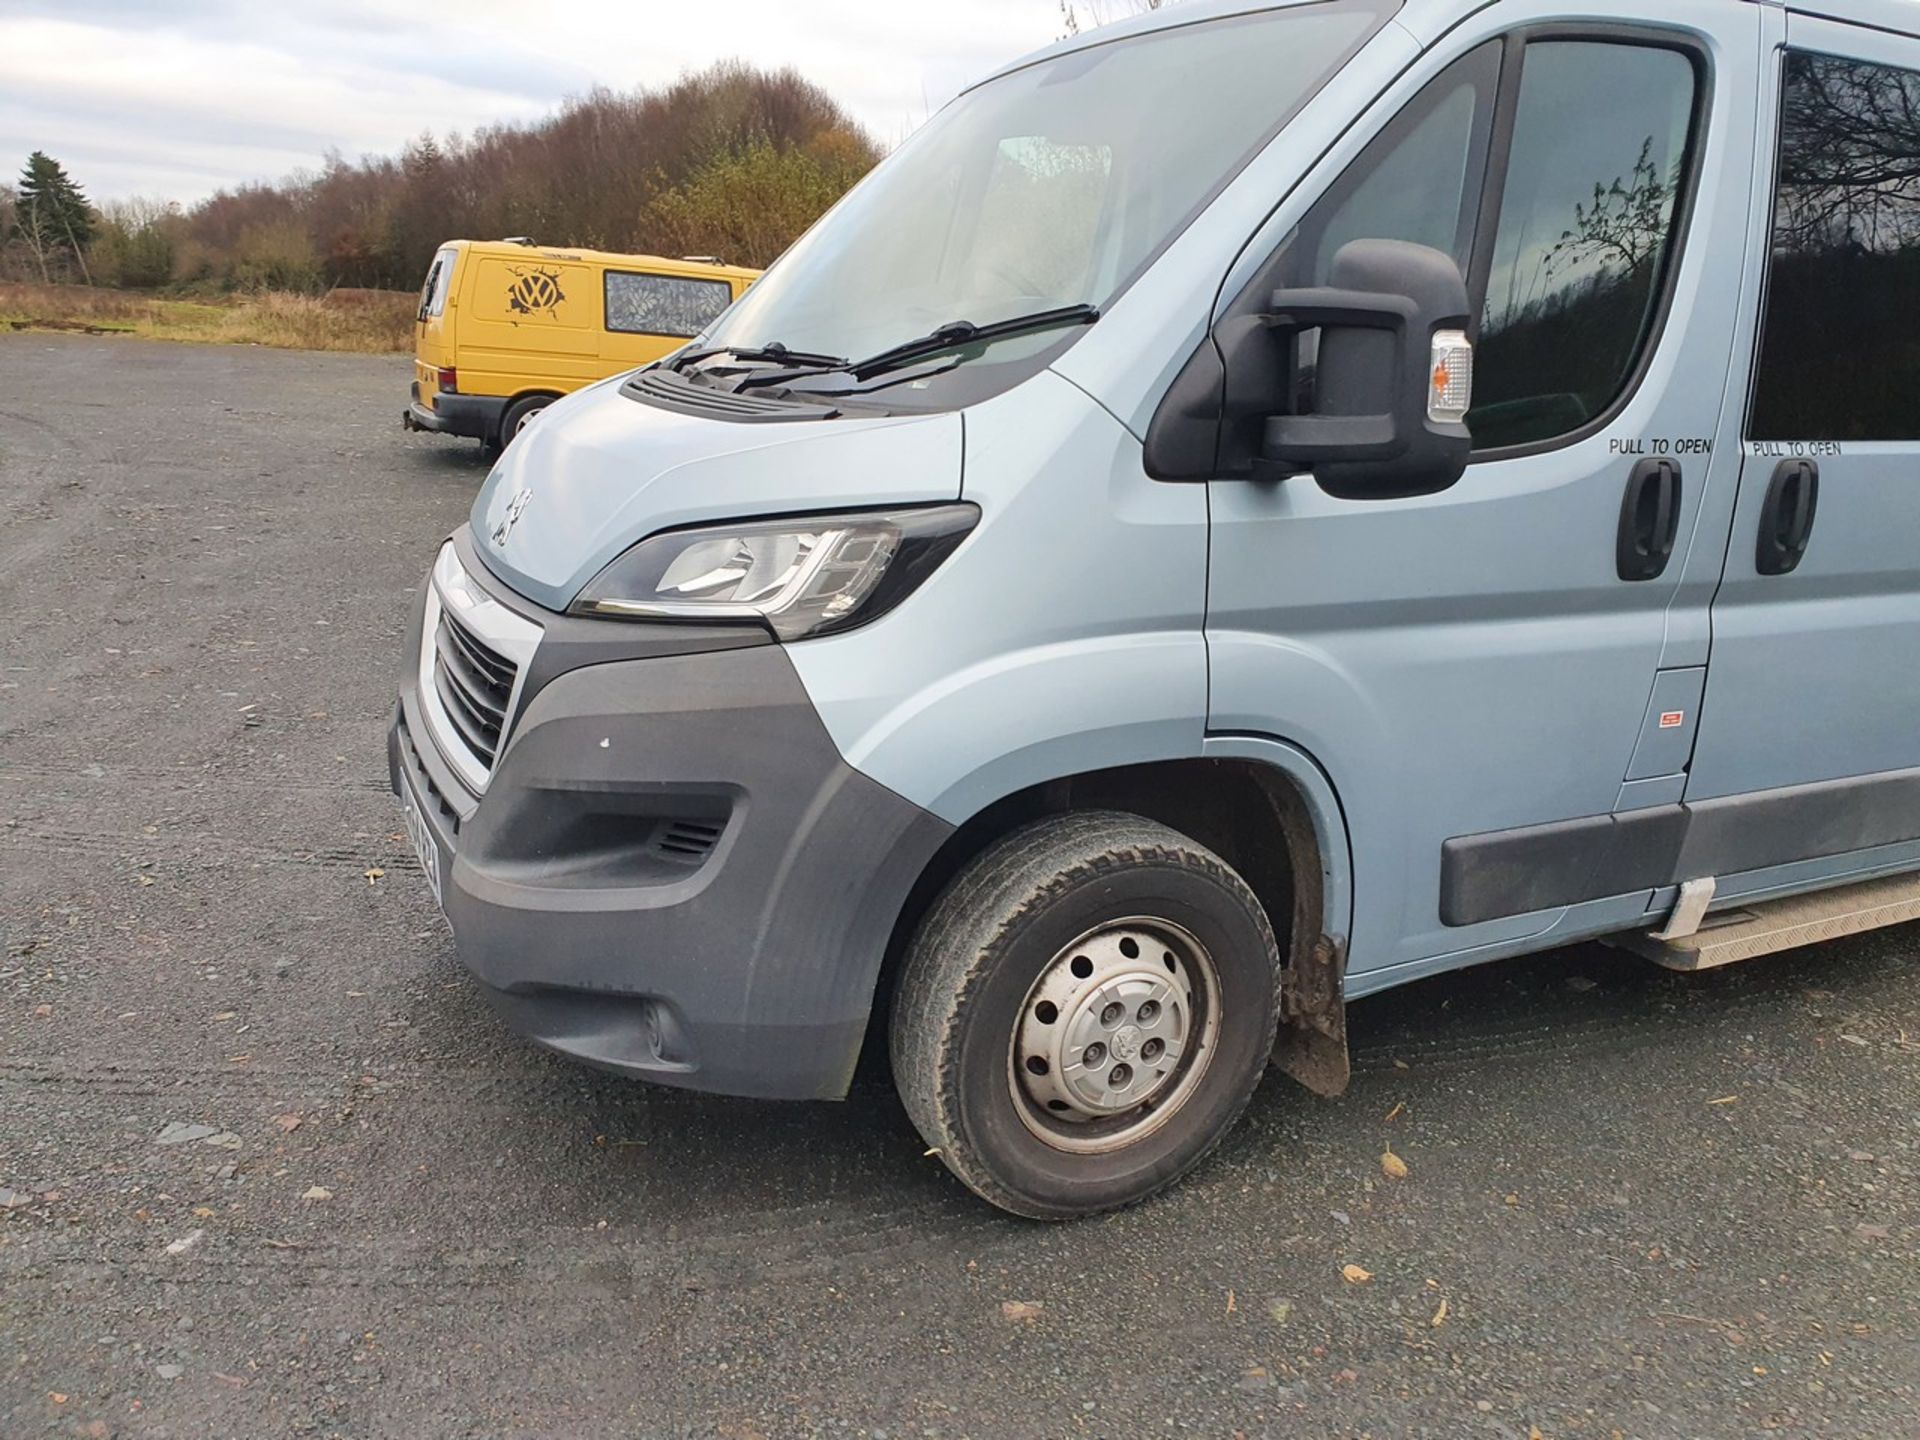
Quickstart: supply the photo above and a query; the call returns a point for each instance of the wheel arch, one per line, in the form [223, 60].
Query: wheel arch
[1262, 805]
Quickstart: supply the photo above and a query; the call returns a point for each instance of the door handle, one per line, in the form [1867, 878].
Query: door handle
[1649, 520]
[1786, 520]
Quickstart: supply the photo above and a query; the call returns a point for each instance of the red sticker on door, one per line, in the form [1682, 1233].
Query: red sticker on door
[1673, 719]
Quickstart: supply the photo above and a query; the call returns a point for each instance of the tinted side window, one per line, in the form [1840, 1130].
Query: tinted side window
[663, 304]
[1586, 230]
[1840, 347]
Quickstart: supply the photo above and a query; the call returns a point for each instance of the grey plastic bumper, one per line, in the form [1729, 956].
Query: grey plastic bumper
[672, 871]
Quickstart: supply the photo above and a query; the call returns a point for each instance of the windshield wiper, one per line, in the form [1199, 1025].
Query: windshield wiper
[951, 336]
[775, 352]
[957, 333]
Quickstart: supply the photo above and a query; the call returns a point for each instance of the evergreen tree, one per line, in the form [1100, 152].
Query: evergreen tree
[51, 213]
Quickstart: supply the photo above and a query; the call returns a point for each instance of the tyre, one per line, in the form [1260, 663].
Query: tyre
[1084, 1013]
[516, 415]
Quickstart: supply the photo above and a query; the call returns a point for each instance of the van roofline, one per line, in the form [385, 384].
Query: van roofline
[1900, 17]
[669, 263]
[1168, 17]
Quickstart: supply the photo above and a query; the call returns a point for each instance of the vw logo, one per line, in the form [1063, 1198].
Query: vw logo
[515, 508]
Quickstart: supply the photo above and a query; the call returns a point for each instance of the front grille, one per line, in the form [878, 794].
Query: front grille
[474, 683]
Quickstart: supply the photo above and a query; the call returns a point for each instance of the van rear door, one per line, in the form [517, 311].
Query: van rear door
[433, 339]
[1815, 675]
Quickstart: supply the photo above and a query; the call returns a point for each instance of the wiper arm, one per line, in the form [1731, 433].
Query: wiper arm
[775, 352]
[957, 333]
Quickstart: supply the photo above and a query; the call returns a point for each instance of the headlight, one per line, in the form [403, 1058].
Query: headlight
[806, 576]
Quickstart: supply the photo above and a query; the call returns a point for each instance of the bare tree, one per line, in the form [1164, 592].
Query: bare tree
[1078, 15]
[1852, 176]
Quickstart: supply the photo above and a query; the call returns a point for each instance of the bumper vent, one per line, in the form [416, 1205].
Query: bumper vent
[474, 683]
[687, 840]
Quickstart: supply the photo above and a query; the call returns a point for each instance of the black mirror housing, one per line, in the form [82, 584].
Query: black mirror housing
[1375, 429]
[1386, 417]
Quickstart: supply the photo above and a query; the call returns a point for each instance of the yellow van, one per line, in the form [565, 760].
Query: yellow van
[506, 328]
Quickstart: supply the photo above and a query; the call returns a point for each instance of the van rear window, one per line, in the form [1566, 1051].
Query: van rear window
[663, 304]
[433, 294]
[1839, 359]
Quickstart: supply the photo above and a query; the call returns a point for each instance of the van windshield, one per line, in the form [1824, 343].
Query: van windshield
[1052, 186]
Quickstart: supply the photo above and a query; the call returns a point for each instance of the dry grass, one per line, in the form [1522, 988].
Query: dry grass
[370, 321]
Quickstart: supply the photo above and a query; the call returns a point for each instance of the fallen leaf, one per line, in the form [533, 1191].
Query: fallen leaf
[186, 1242]
[42, 1011]
[1725, 1100]
[1230, 1305]
[203, 1212]
[374, 874]
[290, 1123]
[317, 1192]
[1354, 1275]
[56, 1397]
[226, 1015]
[146, 879]
[1513, 1199]
[1394, 1166]
[929, 1154]
[1401, 1065]
[1020, 1312]
[1280, 1311]
[1439, 1316]
[1398, 1109]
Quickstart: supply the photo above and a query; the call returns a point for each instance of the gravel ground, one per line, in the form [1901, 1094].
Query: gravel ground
[268, 1165]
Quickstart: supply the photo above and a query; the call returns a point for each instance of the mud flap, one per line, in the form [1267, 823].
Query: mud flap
[1312, 1044]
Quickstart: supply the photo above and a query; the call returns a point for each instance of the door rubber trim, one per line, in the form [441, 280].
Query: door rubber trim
[1568, 862]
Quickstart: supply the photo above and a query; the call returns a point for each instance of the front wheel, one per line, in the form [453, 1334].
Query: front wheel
[1084, 1014]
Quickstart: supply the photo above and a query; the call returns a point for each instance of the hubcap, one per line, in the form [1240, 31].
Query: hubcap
[1114, 1035]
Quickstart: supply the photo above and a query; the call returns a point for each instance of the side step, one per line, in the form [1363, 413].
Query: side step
[1746, 934]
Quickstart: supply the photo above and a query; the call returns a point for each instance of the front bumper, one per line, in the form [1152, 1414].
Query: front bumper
[477, 416]
[671, 871]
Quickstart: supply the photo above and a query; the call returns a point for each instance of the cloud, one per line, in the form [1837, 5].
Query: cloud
[181, 99]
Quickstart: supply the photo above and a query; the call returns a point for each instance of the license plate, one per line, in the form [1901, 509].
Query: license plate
[424, 845]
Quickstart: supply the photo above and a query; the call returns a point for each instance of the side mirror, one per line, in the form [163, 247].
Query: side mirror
[1385, 413]
[1394, 379]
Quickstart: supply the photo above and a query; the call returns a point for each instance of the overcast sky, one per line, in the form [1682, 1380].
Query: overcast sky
[177, 98]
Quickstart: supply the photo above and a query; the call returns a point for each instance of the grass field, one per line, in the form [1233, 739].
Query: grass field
[370, 321]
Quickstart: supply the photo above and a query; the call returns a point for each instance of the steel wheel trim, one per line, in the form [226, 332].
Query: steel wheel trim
[1114, 1035]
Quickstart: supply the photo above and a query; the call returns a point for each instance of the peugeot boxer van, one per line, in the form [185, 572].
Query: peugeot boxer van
[505, 328]
[1249, 507]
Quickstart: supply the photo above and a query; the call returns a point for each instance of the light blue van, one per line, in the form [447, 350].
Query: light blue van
[1246, 508]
